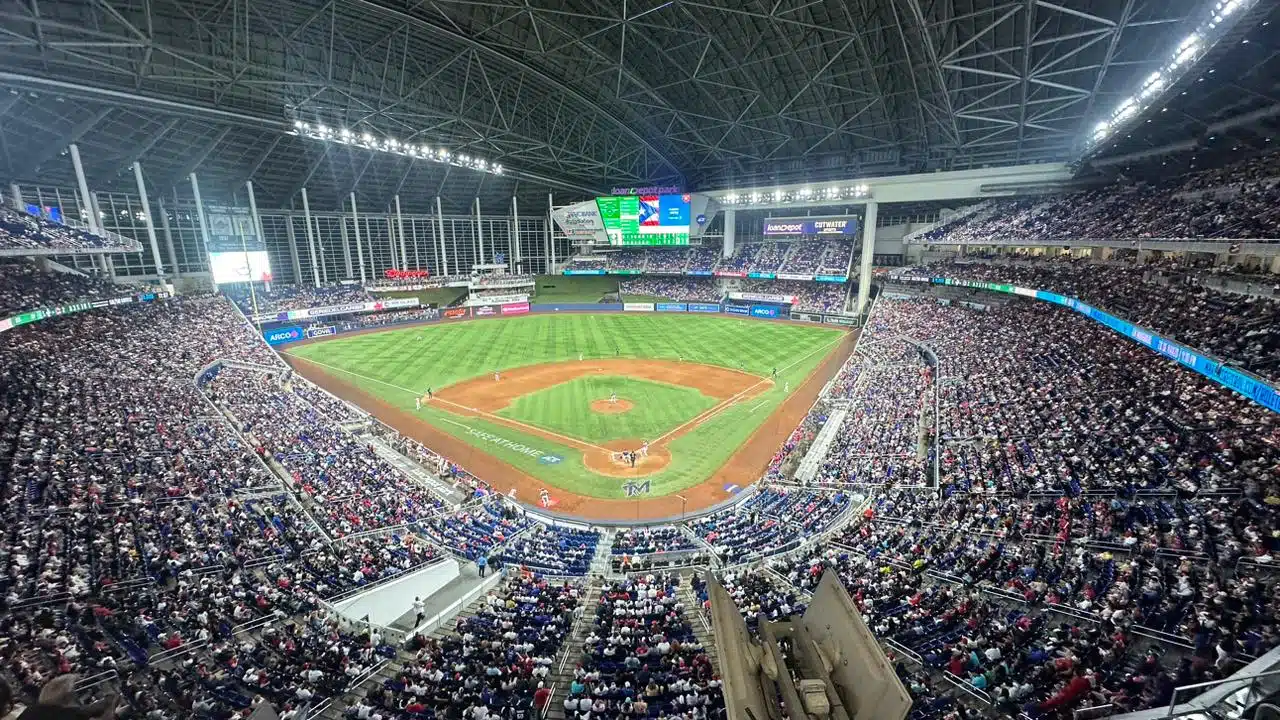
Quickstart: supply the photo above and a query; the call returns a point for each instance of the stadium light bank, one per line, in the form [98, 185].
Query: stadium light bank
[1193, 47]
[805, 194]
[367, 141]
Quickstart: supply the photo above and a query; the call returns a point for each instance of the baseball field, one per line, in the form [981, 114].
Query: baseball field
[556, 402]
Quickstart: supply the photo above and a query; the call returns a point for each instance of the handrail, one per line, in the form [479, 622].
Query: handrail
[960, 683]
[1091, 712]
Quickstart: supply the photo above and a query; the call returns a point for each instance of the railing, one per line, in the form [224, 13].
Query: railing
[961, 684]
[453, 608]
[1091, 712]
[92, 681]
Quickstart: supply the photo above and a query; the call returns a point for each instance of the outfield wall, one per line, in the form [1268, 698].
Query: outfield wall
[279, 335]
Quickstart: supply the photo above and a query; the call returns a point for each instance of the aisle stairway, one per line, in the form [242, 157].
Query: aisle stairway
[698, 620]
[388, 670]
[571, 653]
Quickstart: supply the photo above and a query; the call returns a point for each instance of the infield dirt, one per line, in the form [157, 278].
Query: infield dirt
[483, 395]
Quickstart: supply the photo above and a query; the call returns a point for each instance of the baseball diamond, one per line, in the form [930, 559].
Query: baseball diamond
[593, 406]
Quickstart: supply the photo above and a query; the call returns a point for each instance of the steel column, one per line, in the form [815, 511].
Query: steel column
[146, 214]
[355, 220]
[868, 253]
[95, 226]
[311, 241]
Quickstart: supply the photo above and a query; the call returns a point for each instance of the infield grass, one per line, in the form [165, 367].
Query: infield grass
[566, 408]
[400, 364]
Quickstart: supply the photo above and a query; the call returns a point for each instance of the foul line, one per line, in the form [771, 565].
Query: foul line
[574, 442]
[725, 404]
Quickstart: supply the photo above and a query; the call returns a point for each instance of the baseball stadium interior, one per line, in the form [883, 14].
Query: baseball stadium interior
[640, 360]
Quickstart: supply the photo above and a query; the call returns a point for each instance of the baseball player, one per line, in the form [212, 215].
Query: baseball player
[430, 394]
[417, 403]
[497, 377]
[644, 449]
[579, 357]
[786, 386]
[613, 399]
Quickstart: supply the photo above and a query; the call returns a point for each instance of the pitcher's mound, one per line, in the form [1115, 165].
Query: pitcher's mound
[608, 408]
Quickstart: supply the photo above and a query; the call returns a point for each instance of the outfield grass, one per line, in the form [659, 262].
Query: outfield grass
[552, 289]
[400, 364]
[566, 408]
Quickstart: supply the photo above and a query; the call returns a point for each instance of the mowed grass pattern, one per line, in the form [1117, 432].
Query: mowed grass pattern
[398, 365]
[566, 408]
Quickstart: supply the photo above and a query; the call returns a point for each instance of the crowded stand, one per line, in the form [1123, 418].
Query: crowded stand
[772, 521]
[810, 296]
[473, 531]
[678, 289]
[757, 597]
[492, 665]
[552, 550]
[1239, 201]
[649, 540]
[282, 298]
[364, 321]
[632, 259]
[348, 488]
[24, 286]
[818, 257]
[1239, 328]
[669, 261]
[22, 231]
[642, 658]
[703, 259]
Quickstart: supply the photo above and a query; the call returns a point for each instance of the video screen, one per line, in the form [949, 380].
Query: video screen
[645, 219]
[234, 267]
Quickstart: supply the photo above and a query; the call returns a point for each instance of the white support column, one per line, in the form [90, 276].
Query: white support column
[95, 226]
[311, 240]
[730, 230]
[262, 237]
[482, 260]
[146, 214]
[404, 257]
[444, 249]
[346, 248]
[96, 211]
[868, 252]
[355, 218]
[15, 193]
[513, 259]
[391, 240]
[293, 249]
[200, 218]
[168, 238]
[551, 239]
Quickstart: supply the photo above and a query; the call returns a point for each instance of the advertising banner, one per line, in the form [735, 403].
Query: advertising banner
[831, 278]
[499, 299]
[581, 221]
[485, 310]
[515, 308]
[764, 297]
[793, 276]
[344, 309]
[455, 313]
[738, 309]
[637, 307]
[671, 307]
[698, 273]
[283, 335]
[846, 227]
[765, 311]
[322, 331]
[729, 273]
[625, 272]
[584, 272]
[704, 307]
[761, 275]
[839, 320]
[807, 317]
